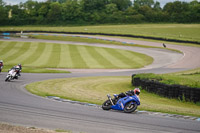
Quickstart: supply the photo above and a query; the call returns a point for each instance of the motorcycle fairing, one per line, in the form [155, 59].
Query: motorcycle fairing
[122, 102]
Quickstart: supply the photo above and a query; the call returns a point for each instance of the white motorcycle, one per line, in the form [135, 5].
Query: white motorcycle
[12, 74]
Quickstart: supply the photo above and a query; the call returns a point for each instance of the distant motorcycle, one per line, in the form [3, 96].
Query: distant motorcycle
[12, 74]
[127, 104]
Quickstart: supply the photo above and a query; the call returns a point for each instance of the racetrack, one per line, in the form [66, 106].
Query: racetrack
[17, 106]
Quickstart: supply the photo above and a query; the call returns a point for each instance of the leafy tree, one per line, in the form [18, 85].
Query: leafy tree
[2, 3]
[194, 14]
[156, 6]
[149, 3]
[147, 12]
[91, 5]
[111, 8]
[42, 12]
[177, 11]
[71, 10]
[3, 13]
[122, 4]
[98, 11]
[32, 8]
[54, 13]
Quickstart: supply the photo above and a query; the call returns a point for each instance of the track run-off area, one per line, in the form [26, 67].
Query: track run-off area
[19, 107]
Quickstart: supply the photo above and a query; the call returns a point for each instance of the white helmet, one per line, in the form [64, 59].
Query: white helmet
[137, 91]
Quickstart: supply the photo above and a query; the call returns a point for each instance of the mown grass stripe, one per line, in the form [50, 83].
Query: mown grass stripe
[65, 57]
[13, 48]
[127, 58]
[29, 53]
[9, 46]
[13, 52]
[76, 57]
[37, 50]
[42, 60]
[3, 45]
[138, 59]
[122, 58]
[88, 58]
[106, 52]
[54, 58]
[99, 58]
[69, 56]
[18, 55]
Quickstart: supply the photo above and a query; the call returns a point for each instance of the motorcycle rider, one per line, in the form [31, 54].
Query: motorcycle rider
[18, 68]
[136, 91]
[1, 65]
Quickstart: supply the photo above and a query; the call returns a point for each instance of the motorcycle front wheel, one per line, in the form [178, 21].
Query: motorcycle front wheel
[106, 105]
[7, 79]
[130, 107]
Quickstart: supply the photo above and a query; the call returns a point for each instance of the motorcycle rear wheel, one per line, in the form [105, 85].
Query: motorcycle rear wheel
[130, 107]
[106, 105]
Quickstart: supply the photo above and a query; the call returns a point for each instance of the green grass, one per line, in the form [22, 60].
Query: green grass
[93, 40]
[189, 32]
[34, 69]
[49, 55]
[87, 40]
[187, 79]
[95, 89]
[159, 41]
[188, 72]
[74, 39]
[63, 131]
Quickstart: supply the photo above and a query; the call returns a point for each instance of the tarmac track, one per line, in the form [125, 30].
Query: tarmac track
[17, 106]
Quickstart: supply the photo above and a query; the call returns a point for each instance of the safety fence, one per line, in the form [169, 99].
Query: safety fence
[180, 92]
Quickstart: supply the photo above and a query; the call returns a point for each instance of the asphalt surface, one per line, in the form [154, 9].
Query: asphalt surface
[17, 106]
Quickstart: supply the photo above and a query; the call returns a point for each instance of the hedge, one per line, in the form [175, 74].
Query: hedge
[180, 92]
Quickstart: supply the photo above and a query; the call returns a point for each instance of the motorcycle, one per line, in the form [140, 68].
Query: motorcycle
[127, 104]
[12, 74]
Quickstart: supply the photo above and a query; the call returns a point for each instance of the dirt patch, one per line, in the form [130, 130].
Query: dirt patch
[6, 128]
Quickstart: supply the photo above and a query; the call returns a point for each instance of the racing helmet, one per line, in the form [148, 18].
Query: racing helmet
[17, 67]
[137, 91]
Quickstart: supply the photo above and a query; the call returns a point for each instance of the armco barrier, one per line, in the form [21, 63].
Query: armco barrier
[171, 91]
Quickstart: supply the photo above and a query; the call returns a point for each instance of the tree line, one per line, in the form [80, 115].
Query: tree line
[65, 12]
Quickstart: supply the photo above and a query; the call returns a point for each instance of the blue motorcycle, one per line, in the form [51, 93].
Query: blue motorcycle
[127, 104]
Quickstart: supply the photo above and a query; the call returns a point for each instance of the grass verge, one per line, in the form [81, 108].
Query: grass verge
[159, 41]
[92, 90]
[189, 78]
[35, 70]
[93, 40]
[169, 31]
[86, 40]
